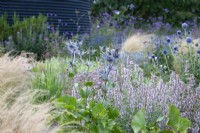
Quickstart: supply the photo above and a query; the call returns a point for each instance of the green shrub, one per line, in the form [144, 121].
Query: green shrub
[175, 122]
[50, 80]
[73, 116]
[31, 35]
[172, 11]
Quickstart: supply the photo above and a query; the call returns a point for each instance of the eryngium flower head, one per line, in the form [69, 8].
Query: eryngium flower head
[188, 40]
[108, 57]
[179, 33]
[198, 51]
[71, 46]
[164, 52]
[153, 56]
[184, 25]
[176, 48]
[115, 53]
[168, 40]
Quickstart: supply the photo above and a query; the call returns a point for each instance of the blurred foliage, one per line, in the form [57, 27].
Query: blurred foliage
[172, 11]
[31, 35]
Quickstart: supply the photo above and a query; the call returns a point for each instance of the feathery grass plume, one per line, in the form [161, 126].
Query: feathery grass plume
[17, 113]
[135, 43]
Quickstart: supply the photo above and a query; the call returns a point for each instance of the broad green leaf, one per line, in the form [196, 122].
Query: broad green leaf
[160, 118]
[70, 75]
[112, 113]
[89, 83]
[69, 100]
[173, 117]
[116, 129]
[110, 124]
[166, 131]
[138, 122]
[184, 125]
[99, 111]
[84, 92]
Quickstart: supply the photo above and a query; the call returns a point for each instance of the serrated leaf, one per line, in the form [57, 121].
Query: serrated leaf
[138, 122]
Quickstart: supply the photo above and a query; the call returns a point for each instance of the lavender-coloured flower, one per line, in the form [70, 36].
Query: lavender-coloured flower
[184, 26]
[116, 12]
[188, 40]
[59, 20]
[132, 6]
[10, 38]
[166, 10]
[7, 42]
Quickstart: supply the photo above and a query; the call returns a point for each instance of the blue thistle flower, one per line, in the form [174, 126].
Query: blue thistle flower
[164, 52]
[168, 40]
[198, 51]
[179, 33]
[184, 26]
[188, 40]
[153, 56]
[176, 48]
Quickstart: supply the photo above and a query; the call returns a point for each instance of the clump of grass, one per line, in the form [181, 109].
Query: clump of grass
[17, 113]
[49, 80]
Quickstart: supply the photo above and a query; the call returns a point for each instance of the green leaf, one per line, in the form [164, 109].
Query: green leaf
[112, 113]
[70, 75]
[99, 111]
[69, 100]
[184, 125]
[166, 131]
[89, 83]
[84, 92]
[138, 122]
[116, 129]
[173, 117]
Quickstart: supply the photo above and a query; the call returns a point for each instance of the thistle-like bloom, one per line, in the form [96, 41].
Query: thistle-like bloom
[198, 51]
[115, 53]
[164, 52]
[168, 40]
[184, 26]
[188, 40]
[71, 46]
[179, 33]
[153, 56]
[108, 57]
[176, 48]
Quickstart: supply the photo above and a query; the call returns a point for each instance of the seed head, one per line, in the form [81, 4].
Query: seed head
[188, 40]
[184, 26]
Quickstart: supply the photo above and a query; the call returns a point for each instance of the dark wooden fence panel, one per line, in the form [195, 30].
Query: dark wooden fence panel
[73, 14]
